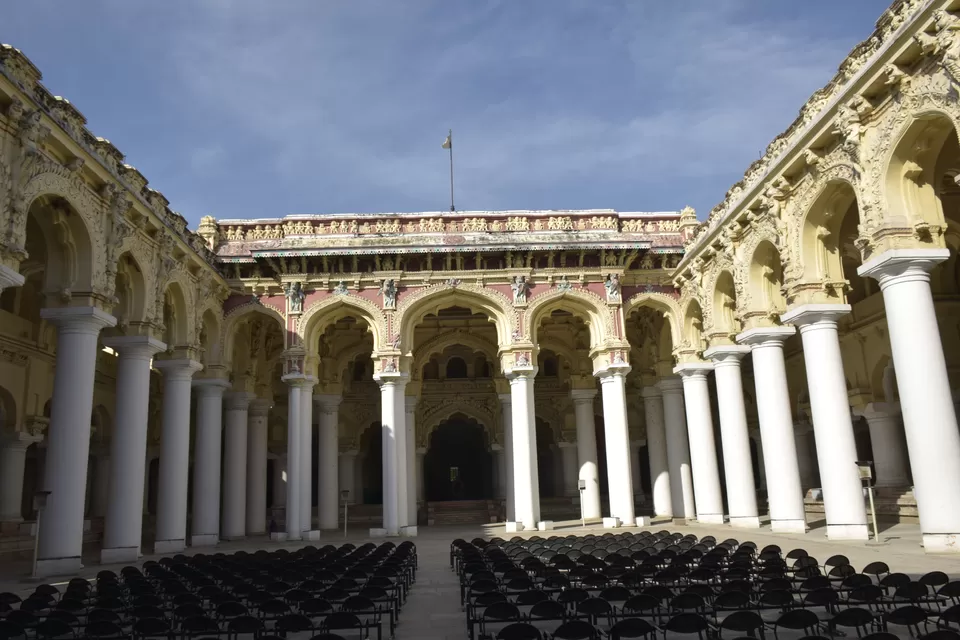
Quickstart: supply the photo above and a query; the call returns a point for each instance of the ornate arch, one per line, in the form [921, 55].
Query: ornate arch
[347, 355]
[228, 329]
[442, 409]
[312, 321]
[188, 289]
[441, 341]
[760, 231]
[720, 263]
[49, 178]
[667, 305]
[599, 314]
[414, 306]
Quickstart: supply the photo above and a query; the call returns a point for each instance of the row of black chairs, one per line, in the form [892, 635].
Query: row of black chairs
[635, 584]
[346, 590]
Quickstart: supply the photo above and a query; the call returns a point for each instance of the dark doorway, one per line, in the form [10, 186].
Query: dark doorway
[457, 465]
[601, 455]
[371, 442]
[546, 461]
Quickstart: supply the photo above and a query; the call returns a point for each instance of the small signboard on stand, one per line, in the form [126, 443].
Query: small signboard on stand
[869, 478]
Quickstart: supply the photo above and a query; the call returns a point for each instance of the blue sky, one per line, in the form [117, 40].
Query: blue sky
[256, 108]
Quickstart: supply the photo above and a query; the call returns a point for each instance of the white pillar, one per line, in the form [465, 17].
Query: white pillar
[123, 526]
[506, 408]
[526, 484]
[830, 406]
[589, 471]
[171, 530]
[421, 492]
[806, 457]
[784, 492]
[257, 436]
[393, 425]
[346, 470]
[207, 452]
[411, 457]
[296, 383]
[657, 452]
[13, 455]
[328, 451]
[280, 481]
[678, 450]
[234, 513]
[306, 456]
[568, 456]
[703, 449]
[617, 444]
[887, 442]
[68, 442]
[929, 417]
[737, 463]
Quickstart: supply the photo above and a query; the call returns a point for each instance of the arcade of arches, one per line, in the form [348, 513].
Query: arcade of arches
[165, 387]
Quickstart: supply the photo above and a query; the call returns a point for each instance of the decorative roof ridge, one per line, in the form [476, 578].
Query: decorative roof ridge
[451, 214]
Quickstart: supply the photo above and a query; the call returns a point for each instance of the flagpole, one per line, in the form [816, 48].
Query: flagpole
[452, 208]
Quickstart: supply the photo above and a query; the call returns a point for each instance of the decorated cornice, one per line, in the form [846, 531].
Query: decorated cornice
[465, 231]
[817, 113]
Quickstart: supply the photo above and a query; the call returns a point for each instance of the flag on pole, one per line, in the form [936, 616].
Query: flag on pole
[448, 143]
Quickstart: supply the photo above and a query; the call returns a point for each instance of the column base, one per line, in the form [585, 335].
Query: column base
[680, 522]
[119, 554]
[204, 540]
[642, 521]
[514, 527]
[710, 518]
[233, 538]
[941, 542]
[745, 522]
[847, 532]
[545, 525]
[611, 523]
[28, 528]
[59, 566]
[408, 532]
[788, 526]
[312, 535]
[169, 546]
[293, 536]
[278, 536]
[383, 533]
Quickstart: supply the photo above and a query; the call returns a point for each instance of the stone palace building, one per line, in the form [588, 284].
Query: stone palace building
[162, 387]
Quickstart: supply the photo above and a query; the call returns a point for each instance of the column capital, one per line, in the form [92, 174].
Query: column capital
[521, 374]
[10, 278]
[238, 400]
[260, 407]
[391, 378]
[727, 354]
[140, 347]
[505, 398]
[693, 369]
[651, 391]
[210, 386]
[89, 320]
[903, 265]
[178, 369]
[612, 371]
[813, 314]
[298, 380]
[670, 384]
[765, 336]
[327, 402]
[583, 396]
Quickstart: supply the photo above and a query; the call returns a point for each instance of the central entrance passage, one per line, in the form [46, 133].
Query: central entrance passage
[457, 465]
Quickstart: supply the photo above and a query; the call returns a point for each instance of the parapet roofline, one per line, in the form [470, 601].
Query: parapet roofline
[455, 214]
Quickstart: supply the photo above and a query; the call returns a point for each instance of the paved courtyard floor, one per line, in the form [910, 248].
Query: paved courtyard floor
[433, 612]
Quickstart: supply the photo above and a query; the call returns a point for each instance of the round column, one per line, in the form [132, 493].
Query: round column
[784, 492]
[830, 407]
[526, 484]
[13, 454]
[926, 401]
[207, 451]
[391, 409]
[657, 451]
[737, 463]
[328, 452]
[806, 455]
[346, 470]
[60, 539]
[617, 441]
[588, 470]
[678, 450]
[703, 448]
[256, 509]
[568, 454]
[889, 448]
[234, 519]
[306, 456]
[506, 408]
[411, 457]
[292, 518]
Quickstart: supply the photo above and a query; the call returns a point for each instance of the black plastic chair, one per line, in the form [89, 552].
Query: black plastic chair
[909, 617]
[519, 631]
[632, 628]
[687, 624]
[54, 628]
[576, 630]
[855, 618]
[797, 620]
[103, 629]
[10, 631]
[743, 622]
[941, 634]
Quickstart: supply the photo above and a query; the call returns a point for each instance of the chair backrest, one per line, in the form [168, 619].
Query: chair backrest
[632, 628]
[686, 623]
[519, 631]
[575, 630]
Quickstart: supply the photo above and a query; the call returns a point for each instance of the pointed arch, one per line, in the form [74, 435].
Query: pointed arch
[591, 307]
[235, 318]
[667, 305]
[441, 341]
[322, 314]
[415, 306]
